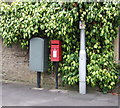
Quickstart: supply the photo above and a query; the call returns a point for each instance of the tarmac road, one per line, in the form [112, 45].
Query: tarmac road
[24, 95]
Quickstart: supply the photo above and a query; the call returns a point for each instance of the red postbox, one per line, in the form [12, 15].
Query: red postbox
[56, 50]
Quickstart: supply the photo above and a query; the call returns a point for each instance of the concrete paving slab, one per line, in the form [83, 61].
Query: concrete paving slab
[58, 90]
[37, 88]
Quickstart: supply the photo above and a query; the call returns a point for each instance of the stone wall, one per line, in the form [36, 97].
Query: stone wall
[15, 67]
[15, 64]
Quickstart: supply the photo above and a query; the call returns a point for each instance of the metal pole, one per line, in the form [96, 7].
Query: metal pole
[56, 69]
[82, 61]
[38, 79]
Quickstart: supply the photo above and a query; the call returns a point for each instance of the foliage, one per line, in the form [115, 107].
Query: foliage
[22, 21]
[101, 19]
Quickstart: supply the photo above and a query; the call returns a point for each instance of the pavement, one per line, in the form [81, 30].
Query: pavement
[26, 95]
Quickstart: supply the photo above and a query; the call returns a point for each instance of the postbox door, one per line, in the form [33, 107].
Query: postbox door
[55, 50]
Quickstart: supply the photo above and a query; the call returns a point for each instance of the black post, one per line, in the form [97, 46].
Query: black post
[38, 79]
[56, 69]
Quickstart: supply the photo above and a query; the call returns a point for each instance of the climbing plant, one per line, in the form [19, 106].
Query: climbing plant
[22, 21]
[102, 22]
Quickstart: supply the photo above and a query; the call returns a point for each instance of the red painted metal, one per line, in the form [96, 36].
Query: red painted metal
[56, 50]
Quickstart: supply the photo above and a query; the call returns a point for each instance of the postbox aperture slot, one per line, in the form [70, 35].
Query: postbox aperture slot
[54, 44]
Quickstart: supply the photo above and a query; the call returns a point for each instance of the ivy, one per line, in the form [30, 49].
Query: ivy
[20, 21]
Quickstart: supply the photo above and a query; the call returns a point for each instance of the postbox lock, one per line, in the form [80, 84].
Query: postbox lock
[56, 50]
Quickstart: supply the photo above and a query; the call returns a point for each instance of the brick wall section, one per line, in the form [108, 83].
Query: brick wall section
[15, 67]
